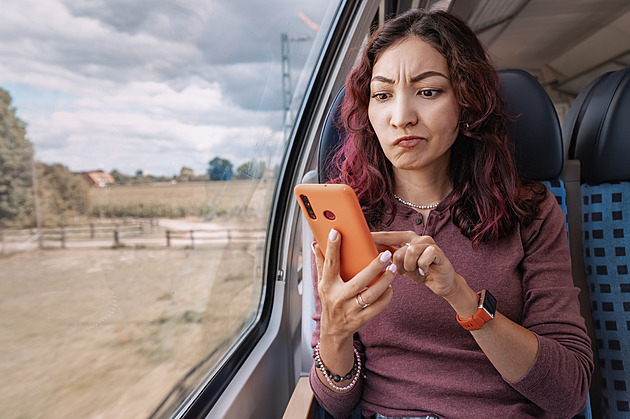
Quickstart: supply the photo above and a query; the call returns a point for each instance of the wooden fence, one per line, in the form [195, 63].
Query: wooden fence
[229, 235]
[142, 232]
[116, 232]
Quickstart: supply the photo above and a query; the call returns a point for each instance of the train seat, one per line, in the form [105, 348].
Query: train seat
[535, 132]
[599, 139]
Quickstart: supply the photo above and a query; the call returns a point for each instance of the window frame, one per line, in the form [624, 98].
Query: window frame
[202, 400]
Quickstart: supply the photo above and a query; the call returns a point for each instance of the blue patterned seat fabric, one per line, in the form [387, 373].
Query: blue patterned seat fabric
[559, 191]
[598, 132]
[606, 247]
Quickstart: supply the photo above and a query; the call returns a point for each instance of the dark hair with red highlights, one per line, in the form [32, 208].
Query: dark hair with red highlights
[489, 196]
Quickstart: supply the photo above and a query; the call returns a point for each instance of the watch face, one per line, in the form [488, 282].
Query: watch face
[490, 303]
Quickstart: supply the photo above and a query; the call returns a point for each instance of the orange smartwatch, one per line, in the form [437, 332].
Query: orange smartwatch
[485, 312]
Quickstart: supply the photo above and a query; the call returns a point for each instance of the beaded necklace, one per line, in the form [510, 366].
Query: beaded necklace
[412, 205]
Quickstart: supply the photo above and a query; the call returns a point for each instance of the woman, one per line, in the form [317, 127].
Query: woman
[426, 151]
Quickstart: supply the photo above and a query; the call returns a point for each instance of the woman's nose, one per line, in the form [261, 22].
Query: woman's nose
[403, 113]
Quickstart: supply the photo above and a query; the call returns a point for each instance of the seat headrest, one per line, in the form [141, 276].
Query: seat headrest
[601, 132]
[535, 129]
[570, 126]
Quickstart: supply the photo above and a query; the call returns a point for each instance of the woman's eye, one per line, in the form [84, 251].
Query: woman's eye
[428, 93]
[380, 96]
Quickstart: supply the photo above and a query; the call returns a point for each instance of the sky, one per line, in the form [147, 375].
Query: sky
[153, 85]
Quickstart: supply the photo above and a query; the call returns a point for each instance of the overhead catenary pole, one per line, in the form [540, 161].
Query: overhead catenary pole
[287, 89]
[286, 84]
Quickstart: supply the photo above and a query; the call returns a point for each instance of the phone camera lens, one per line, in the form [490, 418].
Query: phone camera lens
[308, 206]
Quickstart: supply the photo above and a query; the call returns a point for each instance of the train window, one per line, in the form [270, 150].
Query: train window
[140, 149]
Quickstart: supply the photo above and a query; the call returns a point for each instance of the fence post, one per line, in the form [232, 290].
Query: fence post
[192, 239]
[62, 230]
[116, 236]
[92, 230]
[168, 238]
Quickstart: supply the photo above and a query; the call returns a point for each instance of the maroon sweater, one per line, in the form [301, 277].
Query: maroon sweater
[418, 360]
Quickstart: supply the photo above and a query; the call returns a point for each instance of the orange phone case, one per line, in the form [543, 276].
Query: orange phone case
[336, 206]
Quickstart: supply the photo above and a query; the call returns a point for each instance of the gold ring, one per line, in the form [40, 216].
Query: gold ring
[360, 301]
[408, 245]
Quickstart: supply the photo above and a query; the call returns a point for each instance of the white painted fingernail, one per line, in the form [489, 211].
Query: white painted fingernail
[392, 268]
[333, 234]
[421, 271]
[313, 247]
[385, 256]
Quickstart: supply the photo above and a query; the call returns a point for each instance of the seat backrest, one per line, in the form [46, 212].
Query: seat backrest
[330, 137]
[535, 130]
[600, 139]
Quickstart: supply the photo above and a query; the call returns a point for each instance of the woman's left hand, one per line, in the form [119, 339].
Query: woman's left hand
[420, 259]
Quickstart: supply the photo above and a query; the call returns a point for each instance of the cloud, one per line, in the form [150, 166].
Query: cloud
[150, 85]
[81, 48]
[133, 141]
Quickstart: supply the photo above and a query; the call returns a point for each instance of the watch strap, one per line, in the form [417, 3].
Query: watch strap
[485, 312]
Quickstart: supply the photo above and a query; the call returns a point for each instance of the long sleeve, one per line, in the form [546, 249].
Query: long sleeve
[559, 380]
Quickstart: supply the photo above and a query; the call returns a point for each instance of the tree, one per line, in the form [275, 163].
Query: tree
[119, 177]
[253, 169]
[186, 174]
[140, 178]
[16, 160]
[63, 194]
[220, 169]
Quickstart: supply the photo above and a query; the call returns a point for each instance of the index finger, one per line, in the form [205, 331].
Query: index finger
[331, 258]
[393, 238]
[319, 258]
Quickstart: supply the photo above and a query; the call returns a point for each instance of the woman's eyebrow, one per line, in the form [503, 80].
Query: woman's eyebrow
[414, 79]
[427, 74]
[383, 79]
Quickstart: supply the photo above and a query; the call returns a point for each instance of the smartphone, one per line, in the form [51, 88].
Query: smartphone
[336, 206]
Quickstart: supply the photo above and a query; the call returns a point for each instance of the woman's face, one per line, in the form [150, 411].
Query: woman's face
[412, 106]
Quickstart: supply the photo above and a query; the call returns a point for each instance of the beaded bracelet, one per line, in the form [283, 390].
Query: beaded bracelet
[354, 373]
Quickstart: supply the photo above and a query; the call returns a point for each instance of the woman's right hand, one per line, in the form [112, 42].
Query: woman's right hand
[342, 311]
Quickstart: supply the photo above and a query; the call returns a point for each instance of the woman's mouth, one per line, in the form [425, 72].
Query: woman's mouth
[408, 141]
